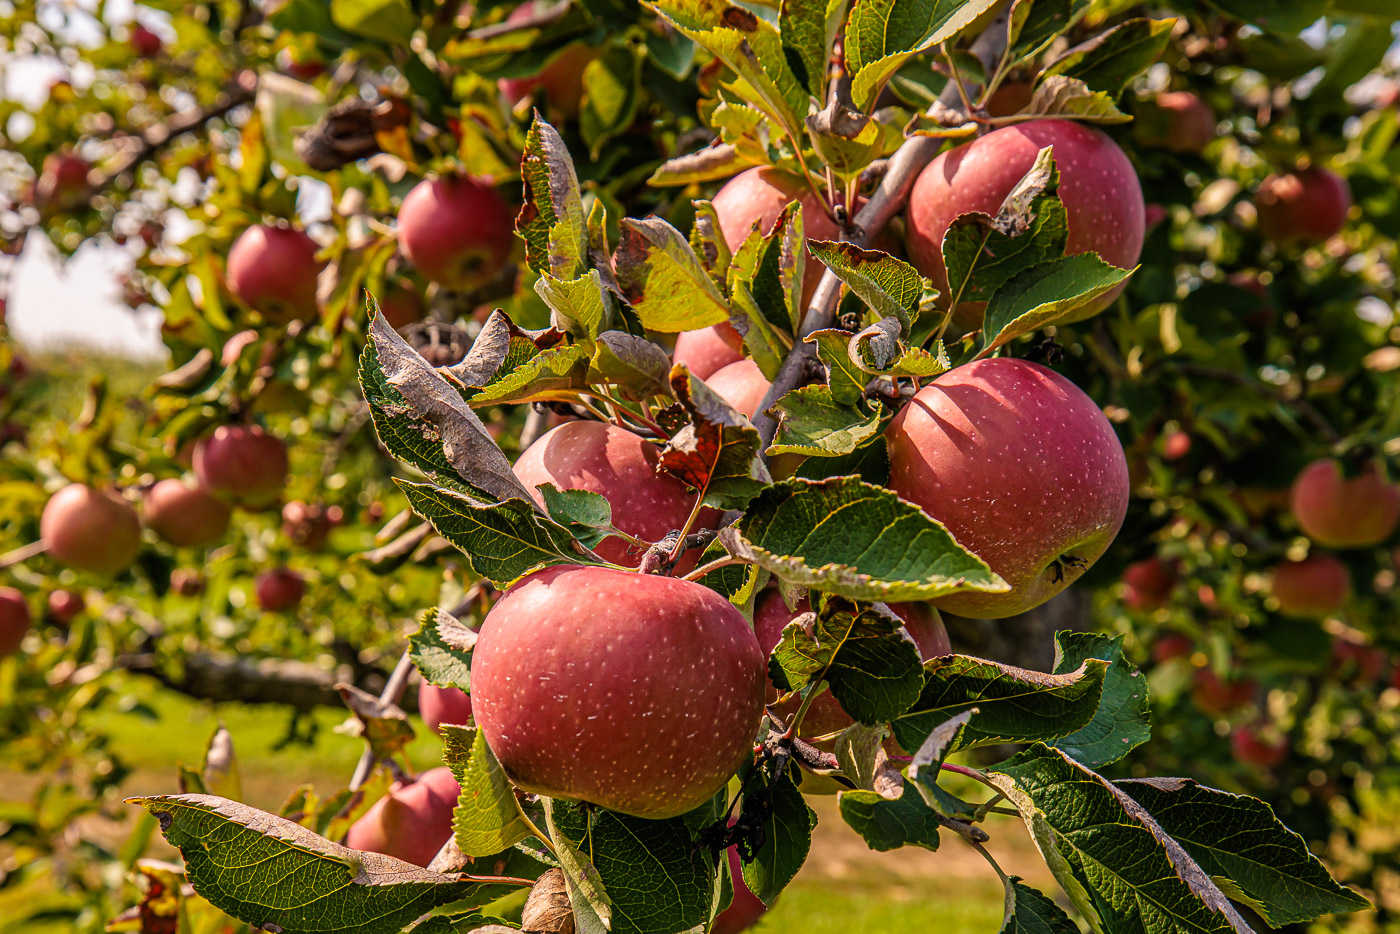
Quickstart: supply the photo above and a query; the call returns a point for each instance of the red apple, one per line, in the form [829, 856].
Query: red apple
[301, 64]
[741, 384]
[184, 514]
[14, 620]
[243, 464]
[1010, 97]
[1249, 747]
[1184, 123]
[1175, 446]
[1148, 584]
[1102, 197]
[186, 582]
[758, 196]
[65, 605]
[144, 43]
[412, 821]
[1172, 645]
[561, 78]
[745, 908]
[708, 350]
[1304, 206]
[1366, 662]
[638, 693]
[307, 525]
[1342, 512]
[1021, 467]
[1316, 586]
[439, 705]
[273, 270]
[621, 467]
[90, 529]
[1218, 698]
[279, 590]
[63, 184]
[401, 305]
[456, 231]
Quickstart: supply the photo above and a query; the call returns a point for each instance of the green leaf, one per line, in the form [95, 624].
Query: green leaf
[1284, 17]
[878, 349]
[1118, 866]
[1029, 911]
[1042, 295]
[611, 95]
[717, 452]
[881, 35]
[891, 287]
[423, 421]
[1013, 704]
[927, 766]
[735, 581]
[554, 374]
[503, 541]
[1062, 96]
[757, 316]
[589, 900]
[873, 671]
[1038, 23]
[787, 838]
[381, 723]
[551, 222]
[1121, 723]
[811, 422]
[441, 650]
[1238, 838]
[719, 160]
[887, 825]
[778, 273]
[858, 540]
[637, 365]
[663, 279]
[637, 860]
[488, 818]
[846, 380]
[707, 240]
[587, 515]
[390, 21]
[809, 31]
[268, 871]
[580, 306]
[1111, 59]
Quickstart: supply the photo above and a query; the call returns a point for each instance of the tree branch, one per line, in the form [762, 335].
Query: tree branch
[887, 201]
[153, 137]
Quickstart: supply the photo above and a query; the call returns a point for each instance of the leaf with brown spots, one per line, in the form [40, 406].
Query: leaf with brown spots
[716, 451]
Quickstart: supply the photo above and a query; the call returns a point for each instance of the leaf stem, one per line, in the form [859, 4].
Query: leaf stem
[956, 78]
[988, 857]
[539, 834]
[714, 565]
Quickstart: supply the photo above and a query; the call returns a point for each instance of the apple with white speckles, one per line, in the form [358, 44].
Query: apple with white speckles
[635, 692]
[1021, 467]
[621, 466]
[412, 821]
[438, 705]
[1103, 200]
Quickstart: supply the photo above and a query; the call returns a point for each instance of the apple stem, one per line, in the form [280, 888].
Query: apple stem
[679, 548]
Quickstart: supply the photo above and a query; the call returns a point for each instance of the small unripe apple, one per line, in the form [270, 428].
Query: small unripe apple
[1183, 122]
[144, 43]
[708, 350]
[62, 184]
[184, 514]
[1249, 747]
[412, 821]
[561, 78]
[1103, 199]
[439, 705]
[1173, 645]
[65, 605]
[1316, 586]
[1304, 206]
[456, 231]
[622, 468]
[1342, 512]
[401, 305]
[243, 464]
[279, 590]
[1218, 698]
[1148, 584]
[90, 529]
[1021, 467]
[273, 270]
[639, 693]
[745, 909]
[14, 620]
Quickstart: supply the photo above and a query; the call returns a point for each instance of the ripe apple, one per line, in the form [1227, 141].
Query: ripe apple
[1102, 197]
[1342, 512]
[1303, 206]
[708, 350]
[561, 78]
[412, 821]
[144, 43]
[825, 714]
[1249, 747]
[741, 384]
[745, 908]
[184, 514]
[456, 231]
[1010, 97]
[1183, 123]
[1173, 645]
[307, 525]
[439, 705]
[1175, 446]
[401, 305]
[273, 270]
[1021, 467]
[65, 605]
[90, 529]
[279, 590]
[1316, 586]
[1218, 698]
[14, 620]
[621, 467]
[62, 184]
[758, 196]
[1366, 662]
[1148, 584]
[637, 692]
[243, 464]
[186, 582]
